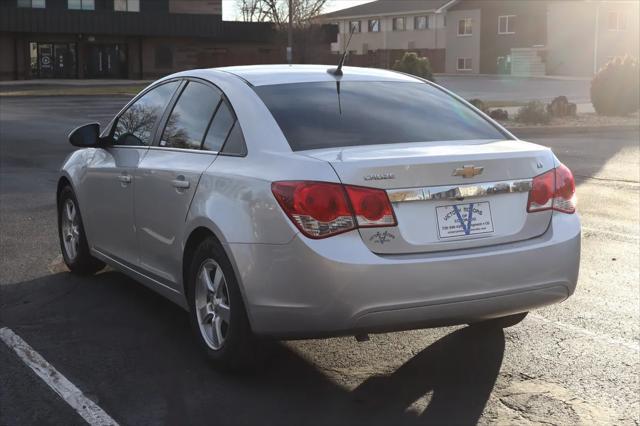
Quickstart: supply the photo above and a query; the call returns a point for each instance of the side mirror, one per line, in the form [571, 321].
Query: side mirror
[86, 136]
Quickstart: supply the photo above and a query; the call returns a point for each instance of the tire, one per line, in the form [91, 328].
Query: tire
[503, 322]
[216, 310]
[73, 240]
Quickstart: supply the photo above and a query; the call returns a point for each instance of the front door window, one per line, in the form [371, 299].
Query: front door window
[136, 125]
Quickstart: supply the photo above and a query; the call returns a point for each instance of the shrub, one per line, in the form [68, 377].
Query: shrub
[499, 114]
[533, 112]
[561, 107]
[615, 89]
[412, 64]
[478, 104]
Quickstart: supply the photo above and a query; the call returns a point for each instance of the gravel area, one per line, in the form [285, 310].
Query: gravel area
[582, 120]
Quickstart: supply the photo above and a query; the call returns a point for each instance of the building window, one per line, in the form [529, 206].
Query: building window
[126, 5]
[465, 27]
[81, 4]
[398, 24]
[421, 23]
[35, 4]
[465, 64]
[374, 25]
[354, 26]
[506, 24]
[164, 57]
[617, 21]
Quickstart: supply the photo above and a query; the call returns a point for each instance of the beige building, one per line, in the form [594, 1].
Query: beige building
[463, 42]
[583, 35]
[517, 37]
[391, 25]
[539, 37]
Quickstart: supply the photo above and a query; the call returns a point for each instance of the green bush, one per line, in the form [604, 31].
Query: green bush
[534, 112]
[615, 89]
[412, 64]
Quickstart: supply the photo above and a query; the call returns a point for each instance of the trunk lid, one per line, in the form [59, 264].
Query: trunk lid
[447, 195]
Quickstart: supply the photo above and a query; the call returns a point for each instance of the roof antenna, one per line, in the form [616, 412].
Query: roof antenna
[338, 71]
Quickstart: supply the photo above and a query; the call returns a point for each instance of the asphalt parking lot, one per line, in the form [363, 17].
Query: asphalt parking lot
[131, 352]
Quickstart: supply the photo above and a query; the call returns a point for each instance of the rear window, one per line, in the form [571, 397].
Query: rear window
[316, 115]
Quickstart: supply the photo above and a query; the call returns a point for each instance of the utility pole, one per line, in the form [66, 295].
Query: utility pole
[596, 39]
[290, 44]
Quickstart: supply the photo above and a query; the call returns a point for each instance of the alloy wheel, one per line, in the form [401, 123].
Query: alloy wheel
[212, 304]
[70, 229]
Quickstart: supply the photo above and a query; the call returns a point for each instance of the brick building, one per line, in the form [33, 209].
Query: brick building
[137, 39]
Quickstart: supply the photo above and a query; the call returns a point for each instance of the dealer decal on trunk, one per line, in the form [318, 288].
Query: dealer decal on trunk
[461, 220]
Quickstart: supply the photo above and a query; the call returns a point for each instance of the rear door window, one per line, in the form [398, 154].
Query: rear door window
[219, 129]
[190, 117]
[351, 113]
[235, 144]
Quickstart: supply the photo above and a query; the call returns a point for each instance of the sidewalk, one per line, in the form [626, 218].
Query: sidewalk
[20, 84]
[62, 87]
[514, 77]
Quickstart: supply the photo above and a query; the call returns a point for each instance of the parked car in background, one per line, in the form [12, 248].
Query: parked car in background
[292, 202]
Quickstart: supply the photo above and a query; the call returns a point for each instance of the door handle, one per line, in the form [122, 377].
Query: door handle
[125, 179]
[180, 183]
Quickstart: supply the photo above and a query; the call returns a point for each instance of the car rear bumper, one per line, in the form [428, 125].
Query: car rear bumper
[337, 286]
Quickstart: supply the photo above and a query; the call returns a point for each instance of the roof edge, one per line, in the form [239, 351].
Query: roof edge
[444, 7]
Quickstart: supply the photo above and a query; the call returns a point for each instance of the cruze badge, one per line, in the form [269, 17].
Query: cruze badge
[380, 176]
[468, 171]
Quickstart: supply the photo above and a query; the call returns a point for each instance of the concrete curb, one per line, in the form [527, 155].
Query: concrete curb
[558, 130]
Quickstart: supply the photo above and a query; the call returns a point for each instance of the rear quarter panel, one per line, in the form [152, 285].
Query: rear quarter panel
[234, 198]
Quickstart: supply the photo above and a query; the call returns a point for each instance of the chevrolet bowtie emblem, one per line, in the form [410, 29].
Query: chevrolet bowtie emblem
[468, 171]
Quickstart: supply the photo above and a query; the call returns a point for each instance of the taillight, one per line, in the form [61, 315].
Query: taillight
[371, 206]
[322, 209]
[553, 190]
[564, 199]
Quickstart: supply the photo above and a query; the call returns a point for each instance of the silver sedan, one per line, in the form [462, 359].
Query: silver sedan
[297, 202]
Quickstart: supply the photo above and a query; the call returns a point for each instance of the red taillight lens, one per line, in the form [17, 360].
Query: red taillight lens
[564, 198]
[371, 206]
[541, 194]
[318, 209]
[555, 190]
[322, 209]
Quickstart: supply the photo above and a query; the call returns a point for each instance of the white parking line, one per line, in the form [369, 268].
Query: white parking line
[73, 396]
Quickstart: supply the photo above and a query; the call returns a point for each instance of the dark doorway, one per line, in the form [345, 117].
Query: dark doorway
[49, 60]
[45, 60]
[64, 65]
[106, 61]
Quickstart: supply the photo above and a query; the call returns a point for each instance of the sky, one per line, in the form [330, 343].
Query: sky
[230, 12]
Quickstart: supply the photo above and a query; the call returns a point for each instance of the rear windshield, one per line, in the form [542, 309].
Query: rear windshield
[312, 115]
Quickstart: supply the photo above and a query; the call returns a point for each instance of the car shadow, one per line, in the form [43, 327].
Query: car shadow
[132, 352]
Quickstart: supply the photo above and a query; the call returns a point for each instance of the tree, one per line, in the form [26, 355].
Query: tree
[251, 10]
[615, 89]
[277, 11]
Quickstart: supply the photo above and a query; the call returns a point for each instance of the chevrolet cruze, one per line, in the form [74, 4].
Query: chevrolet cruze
[301, 202]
